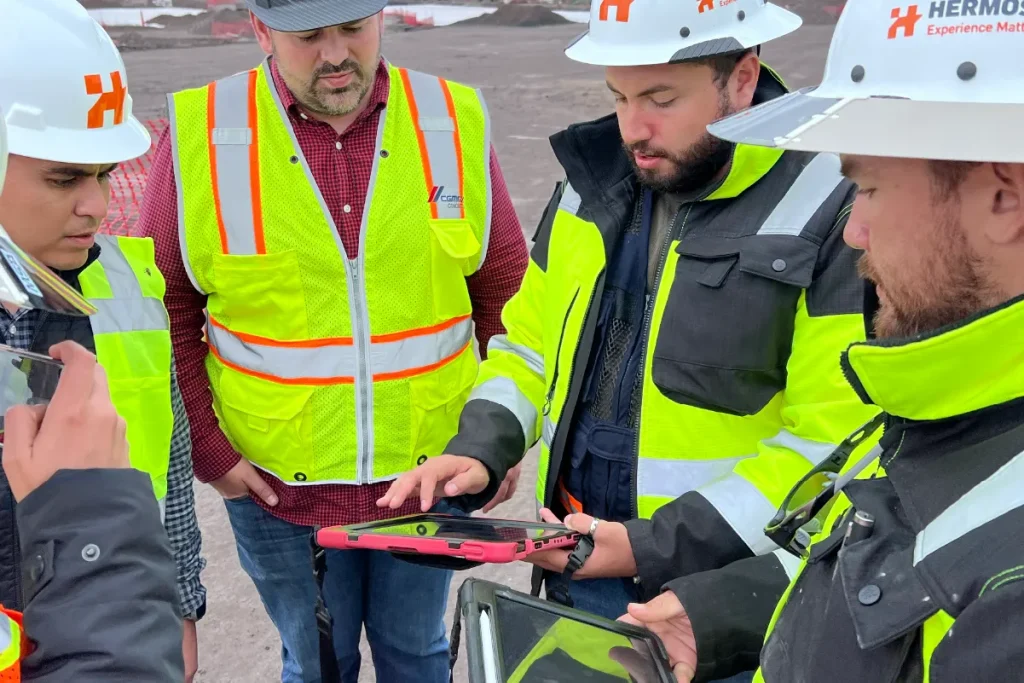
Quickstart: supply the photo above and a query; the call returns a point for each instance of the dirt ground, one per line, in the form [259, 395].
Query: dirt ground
[529, 101]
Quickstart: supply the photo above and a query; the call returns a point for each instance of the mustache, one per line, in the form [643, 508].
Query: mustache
[646, 150]
[866, 269]
[331, 69]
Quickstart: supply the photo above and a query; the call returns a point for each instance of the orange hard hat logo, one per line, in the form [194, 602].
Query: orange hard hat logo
[705, 5]
[109, 100]
[904, 21]
[621, 10]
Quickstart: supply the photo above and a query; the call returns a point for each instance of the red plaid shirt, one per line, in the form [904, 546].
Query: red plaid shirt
[341, 166]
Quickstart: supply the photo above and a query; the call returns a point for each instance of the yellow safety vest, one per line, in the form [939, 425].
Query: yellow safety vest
[11, 637]
[326, 368]
[132, 335]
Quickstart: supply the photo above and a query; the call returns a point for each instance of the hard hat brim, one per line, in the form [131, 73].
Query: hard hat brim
[879, 126]
[296, 16]
[111, 145]
[773, 23]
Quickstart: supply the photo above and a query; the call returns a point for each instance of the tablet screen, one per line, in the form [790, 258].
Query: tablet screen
[537, 646]
[465, 529]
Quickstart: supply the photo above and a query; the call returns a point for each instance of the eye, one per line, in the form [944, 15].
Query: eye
[865, 191]
[666, 103]
[63, 183]
[311, 38]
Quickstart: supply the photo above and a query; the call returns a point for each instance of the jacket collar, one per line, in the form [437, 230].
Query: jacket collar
[970, 365]
[598, 168]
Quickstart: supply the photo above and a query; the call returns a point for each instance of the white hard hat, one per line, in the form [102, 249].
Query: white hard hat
[916, 81]
[643, 32]
[63, 87]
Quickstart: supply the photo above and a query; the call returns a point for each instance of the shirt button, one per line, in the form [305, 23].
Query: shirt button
[338, 145]
[347, 208]
[778, 265]
[869, 595]
[91, 552]
[12, 329]
[304, 117]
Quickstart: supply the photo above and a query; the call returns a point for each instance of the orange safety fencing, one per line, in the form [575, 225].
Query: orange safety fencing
[127, 184]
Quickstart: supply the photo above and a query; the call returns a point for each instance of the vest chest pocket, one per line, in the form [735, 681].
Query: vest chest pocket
[259, 294]
[454, 255]
[727, 328]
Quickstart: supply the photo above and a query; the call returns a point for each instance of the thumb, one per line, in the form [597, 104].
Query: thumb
[684, 673]
[254, 482]
[473, 479]
[21, 425]
[662, 608]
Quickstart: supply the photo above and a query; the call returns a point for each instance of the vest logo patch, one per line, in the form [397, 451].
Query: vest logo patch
[438, 196]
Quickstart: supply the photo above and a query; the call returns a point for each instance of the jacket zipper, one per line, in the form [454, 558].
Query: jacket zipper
[558, 353]
[648, 314]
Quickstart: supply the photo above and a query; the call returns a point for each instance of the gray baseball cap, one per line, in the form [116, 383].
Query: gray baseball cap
[309, 15]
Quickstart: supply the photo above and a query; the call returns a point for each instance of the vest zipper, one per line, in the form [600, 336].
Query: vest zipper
[364, 468]
[558, 353]
[646, 329]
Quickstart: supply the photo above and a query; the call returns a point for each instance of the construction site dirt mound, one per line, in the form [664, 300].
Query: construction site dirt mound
[516, 15]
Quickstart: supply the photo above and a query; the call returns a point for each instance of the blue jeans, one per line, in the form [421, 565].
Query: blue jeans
[608, 598]
[401, 605]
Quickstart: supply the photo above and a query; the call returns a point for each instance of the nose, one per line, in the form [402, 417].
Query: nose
[632, 125]
[93, 200]
[334, 47]
[856, 231]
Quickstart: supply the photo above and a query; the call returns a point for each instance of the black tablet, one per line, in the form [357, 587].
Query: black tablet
[512, 637]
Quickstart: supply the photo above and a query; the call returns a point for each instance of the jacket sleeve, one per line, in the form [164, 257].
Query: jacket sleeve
[724, 520]
[99, 581]
[984, 642]
[730, 610]
[502, 418]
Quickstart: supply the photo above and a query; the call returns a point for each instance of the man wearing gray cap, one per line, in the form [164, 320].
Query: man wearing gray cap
[331, 228]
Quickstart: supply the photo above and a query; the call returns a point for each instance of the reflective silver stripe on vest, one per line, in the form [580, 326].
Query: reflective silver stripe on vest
[790, 563]
[341, 361]
[180, 191]
[811, 188]
[231, 139]
[504, 392]
[548, 432]
[487, 174]
[534, 361]
[439, 134]
[813, 451]
[744, 508]
[5, 632]
[671, 478]
[570, 200]
[129, 310]
[162, 504]
[998, 495]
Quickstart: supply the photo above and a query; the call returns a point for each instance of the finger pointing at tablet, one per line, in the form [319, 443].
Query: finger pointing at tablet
[443, 476]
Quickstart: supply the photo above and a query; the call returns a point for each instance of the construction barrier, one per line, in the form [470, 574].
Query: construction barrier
[127, 183]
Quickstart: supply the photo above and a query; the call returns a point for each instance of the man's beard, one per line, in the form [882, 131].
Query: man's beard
[694, 168]
[952, 286]
[327, 101]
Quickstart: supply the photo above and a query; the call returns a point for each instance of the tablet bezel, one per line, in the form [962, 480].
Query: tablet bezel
[477, 595]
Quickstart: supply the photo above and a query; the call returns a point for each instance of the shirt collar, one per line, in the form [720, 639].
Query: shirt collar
[378, 95]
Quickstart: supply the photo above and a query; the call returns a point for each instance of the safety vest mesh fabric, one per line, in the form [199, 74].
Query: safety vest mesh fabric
[587, 645]
[326, 368]
[716, 442]
[131, 332]
[11, 645]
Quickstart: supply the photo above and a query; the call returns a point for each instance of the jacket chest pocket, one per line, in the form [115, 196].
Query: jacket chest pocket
[727, 328]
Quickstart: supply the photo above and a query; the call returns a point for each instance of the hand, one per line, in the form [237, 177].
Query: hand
[665, 617]
[612, 556]
[190, 650]
[445, 475]
[243, 479]
[78, 429]
[506, 490]
[637, 661]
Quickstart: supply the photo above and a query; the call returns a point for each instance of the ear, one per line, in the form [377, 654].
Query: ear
[1008, 204]
[262, 34]
[743, 81]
